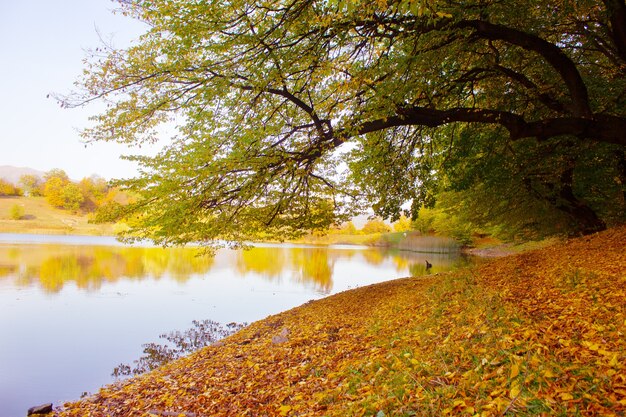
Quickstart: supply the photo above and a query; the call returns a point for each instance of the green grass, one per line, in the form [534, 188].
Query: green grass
[41, 218]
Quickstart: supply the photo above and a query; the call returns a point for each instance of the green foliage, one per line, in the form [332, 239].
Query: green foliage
[72, 197]
[447, 218]
[531, 189]
[17, 212]
[450, 220]
[423, 223]
[429, 97]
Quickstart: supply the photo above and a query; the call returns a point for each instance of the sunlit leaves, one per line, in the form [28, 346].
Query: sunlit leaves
[261, 96]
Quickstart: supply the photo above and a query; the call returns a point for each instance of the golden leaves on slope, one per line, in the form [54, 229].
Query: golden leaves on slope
[541, 333]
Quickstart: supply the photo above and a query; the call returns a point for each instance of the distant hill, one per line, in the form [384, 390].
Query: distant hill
[12, 174]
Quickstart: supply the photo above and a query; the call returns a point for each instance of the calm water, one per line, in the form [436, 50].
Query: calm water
[72, 308]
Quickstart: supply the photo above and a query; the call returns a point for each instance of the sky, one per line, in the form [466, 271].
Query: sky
[42, 45]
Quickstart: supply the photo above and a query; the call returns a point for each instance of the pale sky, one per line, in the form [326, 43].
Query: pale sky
[42, 45]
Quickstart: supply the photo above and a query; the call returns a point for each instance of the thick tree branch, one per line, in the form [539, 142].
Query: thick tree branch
[546, 99]
[617, 17]
[319, 123]
[603, 128]
[562, 64]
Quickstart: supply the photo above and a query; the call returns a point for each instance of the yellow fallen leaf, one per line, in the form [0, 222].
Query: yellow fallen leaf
[515, 391]
[514, 370]
[457, 403]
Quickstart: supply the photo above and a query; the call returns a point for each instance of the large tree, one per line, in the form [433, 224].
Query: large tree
[294, 114]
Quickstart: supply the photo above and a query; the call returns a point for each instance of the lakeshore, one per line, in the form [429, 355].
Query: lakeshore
[541, 332]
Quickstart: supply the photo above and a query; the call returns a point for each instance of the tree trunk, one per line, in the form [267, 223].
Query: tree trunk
[621, 173]
[585, 219]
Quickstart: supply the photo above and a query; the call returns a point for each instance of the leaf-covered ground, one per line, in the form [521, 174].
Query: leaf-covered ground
[543, 332]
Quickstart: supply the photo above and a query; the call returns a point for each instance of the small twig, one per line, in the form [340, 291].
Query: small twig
[506, 410]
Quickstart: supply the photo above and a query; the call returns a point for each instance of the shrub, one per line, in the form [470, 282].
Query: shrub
[17, 212]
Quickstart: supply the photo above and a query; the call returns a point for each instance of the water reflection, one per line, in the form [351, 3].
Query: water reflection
[316, 266]
[308, 266]
[51, 267]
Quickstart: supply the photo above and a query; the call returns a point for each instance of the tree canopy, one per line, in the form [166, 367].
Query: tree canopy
[292, 115]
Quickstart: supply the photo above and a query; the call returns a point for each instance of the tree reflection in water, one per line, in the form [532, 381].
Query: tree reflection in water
[178, 344]
[51, 267]
[304, 265]
[88, 267]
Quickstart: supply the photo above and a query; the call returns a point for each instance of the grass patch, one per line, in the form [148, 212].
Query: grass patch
[38, 217]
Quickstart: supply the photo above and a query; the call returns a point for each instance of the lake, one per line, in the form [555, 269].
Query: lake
[72, 308]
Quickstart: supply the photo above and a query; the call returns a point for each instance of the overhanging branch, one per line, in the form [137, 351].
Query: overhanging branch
[603, 128]
[561, 63]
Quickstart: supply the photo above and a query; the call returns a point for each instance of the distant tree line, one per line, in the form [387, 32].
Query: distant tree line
[86, 195]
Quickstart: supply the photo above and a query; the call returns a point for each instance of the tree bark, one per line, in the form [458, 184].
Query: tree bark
[621, 171]
[617, 17]
[585, 219]
[601, 128]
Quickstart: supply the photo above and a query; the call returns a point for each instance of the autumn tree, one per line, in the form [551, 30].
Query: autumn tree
[375, 226]
[73, 197]
[56, 173]
[94, 190]
[54, 182]
[31, 185]
[403, 224]
[274, 99]
[53, 191]
[348, 228]
[60, 192]
[8, 189]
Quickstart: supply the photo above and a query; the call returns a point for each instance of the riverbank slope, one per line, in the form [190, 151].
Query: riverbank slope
[539, 332]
